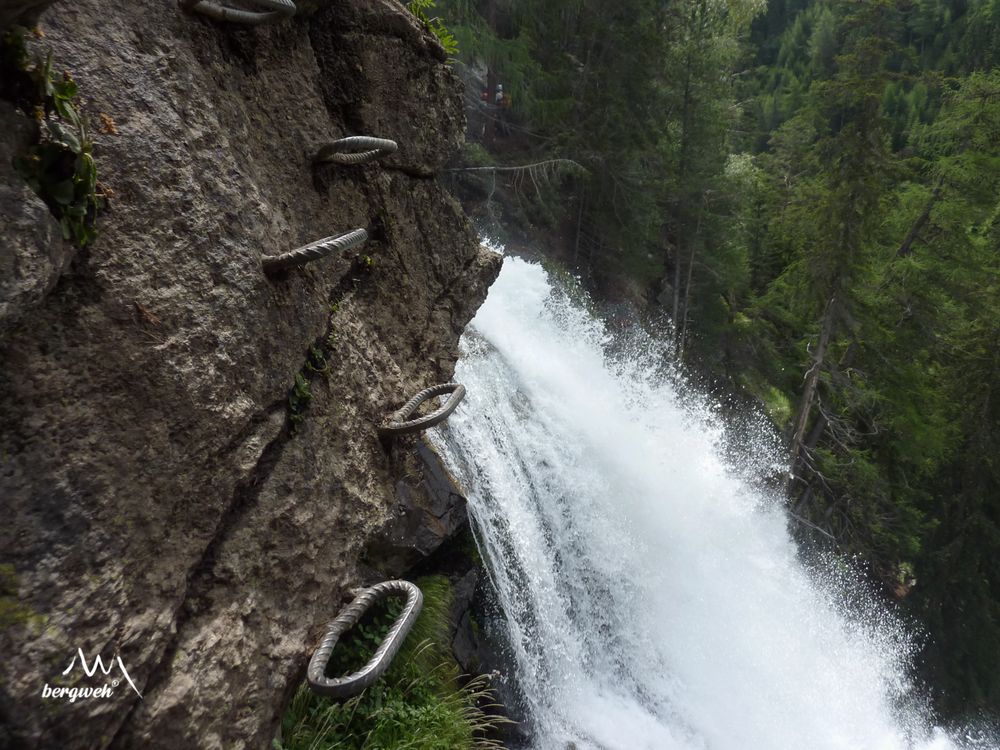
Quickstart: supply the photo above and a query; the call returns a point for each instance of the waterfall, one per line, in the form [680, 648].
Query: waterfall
[652, 593]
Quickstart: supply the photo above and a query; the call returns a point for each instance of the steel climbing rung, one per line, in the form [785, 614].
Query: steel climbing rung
[313, 251]
[276, 10]
[397, 424]
[356, 149]
[354, 683]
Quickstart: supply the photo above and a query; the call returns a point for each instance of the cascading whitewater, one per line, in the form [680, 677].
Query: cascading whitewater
[654, 599]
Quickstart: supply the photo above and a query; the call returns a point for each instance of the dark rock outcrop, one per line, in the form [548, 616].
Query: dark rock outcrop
[429, 510]
[156, 504]
[34, 255]
[464, 637]
[21, 12]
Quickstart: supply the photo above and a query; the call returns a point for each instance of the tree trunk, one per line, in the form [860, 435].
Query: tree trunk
[579, 228]
[687, 298]
[806, 448]
[682, 170]
[490, 131]
[906, 247]
[809, 392]
[687, 284]
[677, 289]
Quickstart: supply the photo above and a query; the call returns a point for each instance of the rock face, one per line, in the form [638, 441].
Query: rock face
[156, 503]
[34, 257]
[429, 510]
[21, 12]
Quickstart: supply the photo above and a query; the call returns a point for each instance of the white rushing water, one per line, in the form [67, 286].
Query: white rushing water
[654, 599]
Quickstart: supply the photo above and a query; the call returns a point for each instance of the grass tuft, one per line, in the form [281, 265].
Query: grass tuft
[420, 703]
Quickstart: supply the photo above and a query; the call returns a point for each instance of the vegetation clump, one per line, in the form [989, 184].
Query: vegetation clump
[434, 24]
[60, 167]
[12, 611]
[300, 395]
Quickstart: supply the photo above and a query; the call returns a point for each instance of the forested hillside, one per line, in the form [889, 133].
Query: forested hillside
[809, 190]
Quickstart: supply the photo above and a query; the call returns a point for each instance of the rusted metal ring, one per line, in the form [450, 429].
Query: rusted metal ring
[313, 251]
[276, 10]
[354, 683]
[397, 424]
[356, 149]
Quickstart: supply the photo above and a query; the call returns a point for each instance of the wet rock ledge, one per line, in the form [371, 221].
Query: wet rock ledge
[159, 503]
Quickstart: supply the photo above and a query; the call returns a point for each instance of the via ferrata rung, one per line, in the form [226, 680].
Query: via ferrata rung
[352, 684]
[400, 424]
[275, 10]
[355, 149]
[313, 251]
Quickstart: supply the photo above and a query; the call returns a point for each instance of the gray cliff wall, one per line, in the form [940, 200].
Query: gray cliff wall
[155, 502]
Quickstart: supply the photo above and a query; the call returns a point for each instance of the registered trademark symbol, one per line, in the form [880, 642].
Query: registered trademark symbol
[114, 683]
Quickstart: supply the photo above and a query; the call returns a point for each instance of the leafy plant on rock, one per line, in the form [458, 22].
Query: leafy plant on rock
[298, 400]
[434, 24]
[60, 168]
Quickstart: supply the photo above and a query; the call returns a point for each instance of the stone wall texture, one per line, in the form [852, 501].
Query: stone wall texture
[156, 504]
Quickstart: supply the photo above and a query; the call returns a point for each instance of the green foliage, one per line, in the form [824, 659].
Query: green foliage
[357, 646]
[419, 704]
[649, 125]
[12, 611]
[316, 361]
[474, 155]
[434, 24]
[60, 168]
[299, 398]
[300, 395]
[875, 185]
[777, 405]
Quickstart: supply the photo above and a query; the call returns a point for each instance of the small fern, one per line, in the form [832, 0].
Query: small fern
[434, 24]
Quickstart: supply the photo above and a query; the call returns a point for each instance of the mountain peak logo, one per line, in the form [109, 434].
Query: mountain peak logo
[90, 669]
